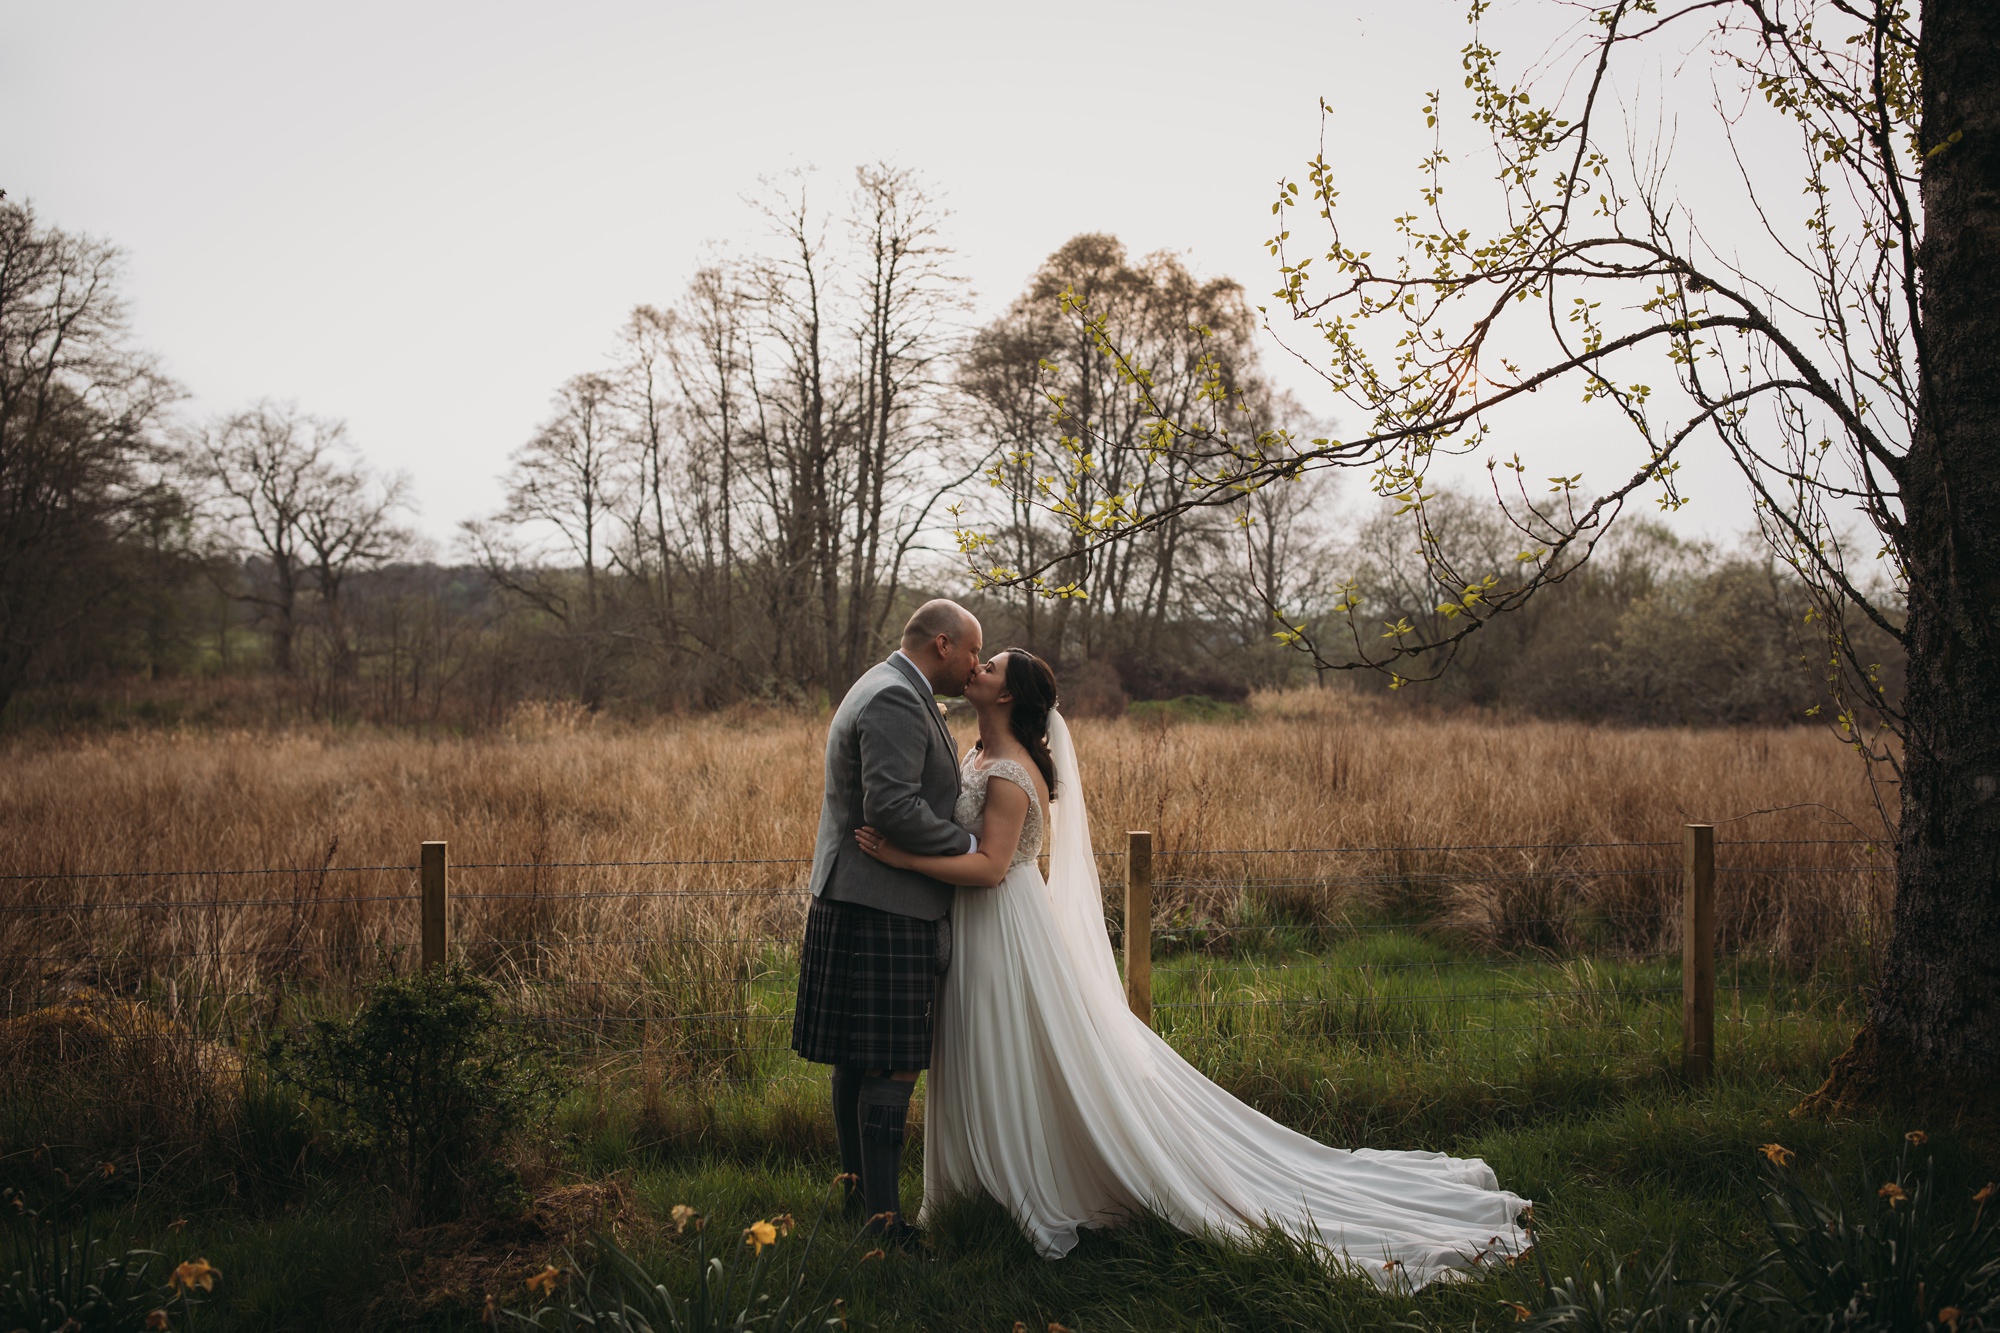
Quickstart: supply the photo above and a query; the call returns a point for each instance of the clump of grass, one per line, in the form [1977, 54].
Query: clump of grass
[106, 1078]
[56, 1273]
[761, 1278]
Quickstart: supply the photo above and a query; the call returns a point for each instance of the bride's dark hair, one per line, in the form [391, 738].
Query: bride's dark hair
[1033, 686]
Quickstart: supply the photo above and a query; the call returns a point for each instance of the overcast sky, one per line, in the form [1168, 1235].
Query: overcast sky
[423, 217]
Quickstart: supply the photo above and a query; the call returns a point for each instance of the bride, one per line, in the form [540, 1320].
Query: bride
[1049, 1095]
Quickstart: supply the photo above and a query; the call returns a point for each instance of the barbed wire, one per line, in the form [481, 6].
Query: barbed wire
[585, 894]
[793, 891]
[178, 874]
[1203, 966]
[206, 904]
[1158, 853]
[595, 865]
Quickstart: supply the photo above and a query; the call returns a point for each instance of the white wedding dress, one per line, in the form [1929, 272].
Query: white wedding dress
[1047, 1094]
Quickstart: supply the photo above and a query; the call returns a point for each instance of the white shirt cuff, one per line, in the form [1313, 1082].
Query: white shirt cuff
[975, 844]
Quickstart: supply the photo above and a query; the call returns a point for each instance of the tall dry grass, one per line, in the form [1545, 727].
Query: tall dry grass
[1325, 801]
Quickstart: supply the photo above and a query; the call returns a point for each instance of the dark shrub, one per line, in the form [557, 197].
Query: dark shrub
[428, 1074]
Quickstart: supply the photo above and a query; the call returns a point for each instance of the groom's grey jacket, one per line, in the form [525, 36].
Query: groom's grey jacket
[890, 764]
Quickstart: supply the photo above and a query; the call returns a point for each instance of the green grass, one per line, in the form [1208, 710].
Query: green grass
[1188, 708]
[1560, 1073]
[1639, 1167]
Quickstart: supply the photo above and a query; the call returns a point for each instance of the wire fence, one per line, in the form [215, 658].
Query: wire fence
[684, 970]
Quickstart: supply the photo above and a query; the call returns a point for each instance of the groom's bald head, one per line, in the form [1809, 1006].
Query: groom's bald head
[938, 616]
[943, 639]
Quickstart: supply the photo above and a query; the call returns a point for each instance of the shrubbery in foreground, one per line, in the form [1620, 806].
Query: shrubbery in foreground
[429, 1074]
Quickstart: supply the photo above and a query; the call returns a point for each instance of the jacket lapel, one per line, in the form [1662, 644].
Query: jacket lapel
[929, 698]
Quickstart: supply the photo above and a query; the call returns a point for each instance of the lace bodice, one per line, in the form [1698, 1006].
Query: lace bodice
[971, 807]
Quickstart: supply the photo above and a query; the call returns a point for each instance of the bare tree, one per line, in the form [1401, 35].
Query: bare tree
[805, 428]
[909, 295]
[712, 374]
[564, 493]
[346, 527]
[78, 407]
[566, 479]
[762, 461]
[295, 503]
[1280, 547]
[846, 459]
[682, 399]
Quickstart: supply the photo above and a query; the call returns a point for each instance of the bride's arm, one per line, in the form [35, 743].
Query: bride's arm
[999, 835]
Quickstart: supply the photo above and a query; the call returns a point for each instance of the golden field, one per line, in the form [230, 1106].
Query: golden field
[1354, 782]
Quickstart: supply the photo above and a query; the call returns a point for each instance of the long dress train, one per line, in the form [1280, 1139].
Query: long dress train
[1046, 1093]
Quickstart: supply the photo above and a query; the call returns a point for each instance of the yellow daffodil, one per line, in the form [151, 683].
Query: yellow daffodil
[1521, 1312]
[1893, 1192]
[878, 1254]
[1986, 1193]
[759, 1234]
[1779, 1154]
[1916, 1138]
[489, 1314]
[1020, 1327]
[1057, 1328]
[784, 1223]
[683, 1215]
[195, 1273]
[156, 1320]
[544, 1282]
[1949, 1315]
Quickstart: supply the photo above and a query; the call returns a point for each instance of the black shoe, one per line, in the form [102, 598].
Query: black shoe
[894, 1233]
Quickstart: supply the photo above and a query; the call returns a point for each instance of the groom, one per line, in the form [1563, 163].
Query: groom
[877, 937]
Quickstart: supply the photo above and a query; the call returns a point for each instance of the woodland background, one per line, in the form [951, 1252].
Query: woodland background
[746, 497]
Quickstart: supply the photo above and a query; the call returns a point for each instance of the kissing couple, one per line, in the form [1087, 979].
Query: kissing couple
[934, 942]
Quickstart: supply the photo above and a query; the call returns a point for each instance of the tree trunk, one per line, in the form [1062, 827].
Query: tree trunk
[284, 631]
[1933, 1027]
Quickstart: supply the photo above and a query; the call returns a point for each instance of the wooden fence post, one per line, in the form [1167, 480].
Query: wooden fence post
[437, 917]
[1698, 953]
[1139, 923]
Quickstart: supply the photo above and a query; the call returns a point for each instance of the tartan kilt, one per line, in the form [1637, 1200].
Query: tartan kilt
[866, 982]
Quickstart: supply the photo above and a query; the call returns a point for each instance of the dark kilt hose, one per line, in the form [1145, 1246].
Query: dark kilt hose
[867, 980]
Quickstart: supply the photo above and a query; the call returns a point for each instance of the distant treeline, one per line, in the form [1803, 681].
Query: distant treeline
[744, 502]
